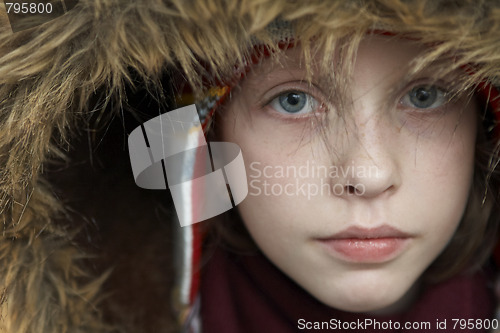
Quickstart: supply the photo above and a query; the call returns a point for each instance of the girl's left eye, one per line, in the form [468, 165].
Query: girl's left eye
[424, 97]
[294, 103]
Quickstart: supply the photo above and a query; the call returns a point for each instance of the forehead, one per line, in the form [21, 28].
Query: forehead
[377, 54]
[386, 57]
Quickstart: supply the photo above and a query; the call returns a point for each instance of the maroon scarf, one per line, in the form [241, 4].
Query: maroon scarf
[249, 294]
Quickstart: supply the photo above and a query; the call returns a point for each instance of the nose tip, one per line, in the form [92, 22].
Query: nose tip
[369, 176]
[372, 186]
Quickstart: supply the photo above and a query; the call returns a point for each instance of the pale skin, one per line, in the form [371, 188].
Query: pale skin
[423, 154]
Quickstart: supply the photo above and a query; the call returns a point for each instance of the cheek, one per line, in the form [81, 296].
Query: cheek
[274, 197]
[272, 203]
[441, 174]
[450, 159]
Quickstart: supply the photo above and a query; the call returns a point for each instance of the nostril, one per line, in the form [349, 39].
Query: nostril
[355, 189]
[350, 189]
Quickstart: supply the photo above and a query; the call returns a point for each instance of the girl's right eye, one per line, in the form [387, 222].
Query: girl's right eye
[294, 103]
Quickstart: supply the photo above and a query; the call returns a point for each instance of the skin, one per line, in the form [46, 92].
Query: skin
[421, 162]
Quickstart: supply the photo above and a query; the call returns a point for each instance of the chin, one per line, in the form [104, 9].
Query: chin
[363, 305]
[374, 299]
[371, 306]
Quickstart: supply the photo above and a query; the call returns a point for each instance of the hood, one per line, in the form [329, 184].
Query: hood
[76, 72]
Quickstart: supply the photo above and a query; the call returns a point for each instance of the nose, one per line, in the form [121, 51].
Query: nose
[368, 160]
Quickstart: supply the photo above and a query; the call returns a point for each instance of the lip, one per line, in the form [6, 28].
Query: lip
[367, 245]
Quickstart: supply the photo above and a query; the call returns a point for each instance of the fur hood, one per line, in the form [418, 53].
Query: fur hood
[68, 88]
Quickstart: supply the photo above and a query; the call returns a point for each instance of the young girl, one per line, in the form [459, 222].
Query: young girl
[352, 197]
[368, 131]
[369, 154]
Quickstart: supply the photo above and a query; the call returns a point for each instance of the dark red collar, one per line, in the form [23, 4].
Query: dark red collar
[249, 294]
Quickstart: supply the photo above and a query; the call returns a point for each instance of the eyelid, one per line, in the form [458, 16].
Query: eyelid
[316, 106]
[440, 99]
[293, 86]
[438, 84]
[311, 103]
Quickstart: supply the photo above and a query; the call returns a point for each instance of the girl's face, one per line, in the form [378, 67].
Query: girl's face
[354, 211]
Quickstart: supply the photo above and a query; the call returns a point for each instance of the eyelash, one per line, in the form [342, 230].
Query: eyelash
[316, 104]
[443, 97]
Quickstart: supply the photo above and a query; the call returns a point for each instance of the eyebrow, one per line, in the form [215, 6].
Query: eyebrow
[258, 77]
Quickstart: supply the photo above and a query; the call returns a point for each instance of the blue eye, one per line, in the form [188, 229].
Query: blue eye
[424, 97]
[294, 102]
